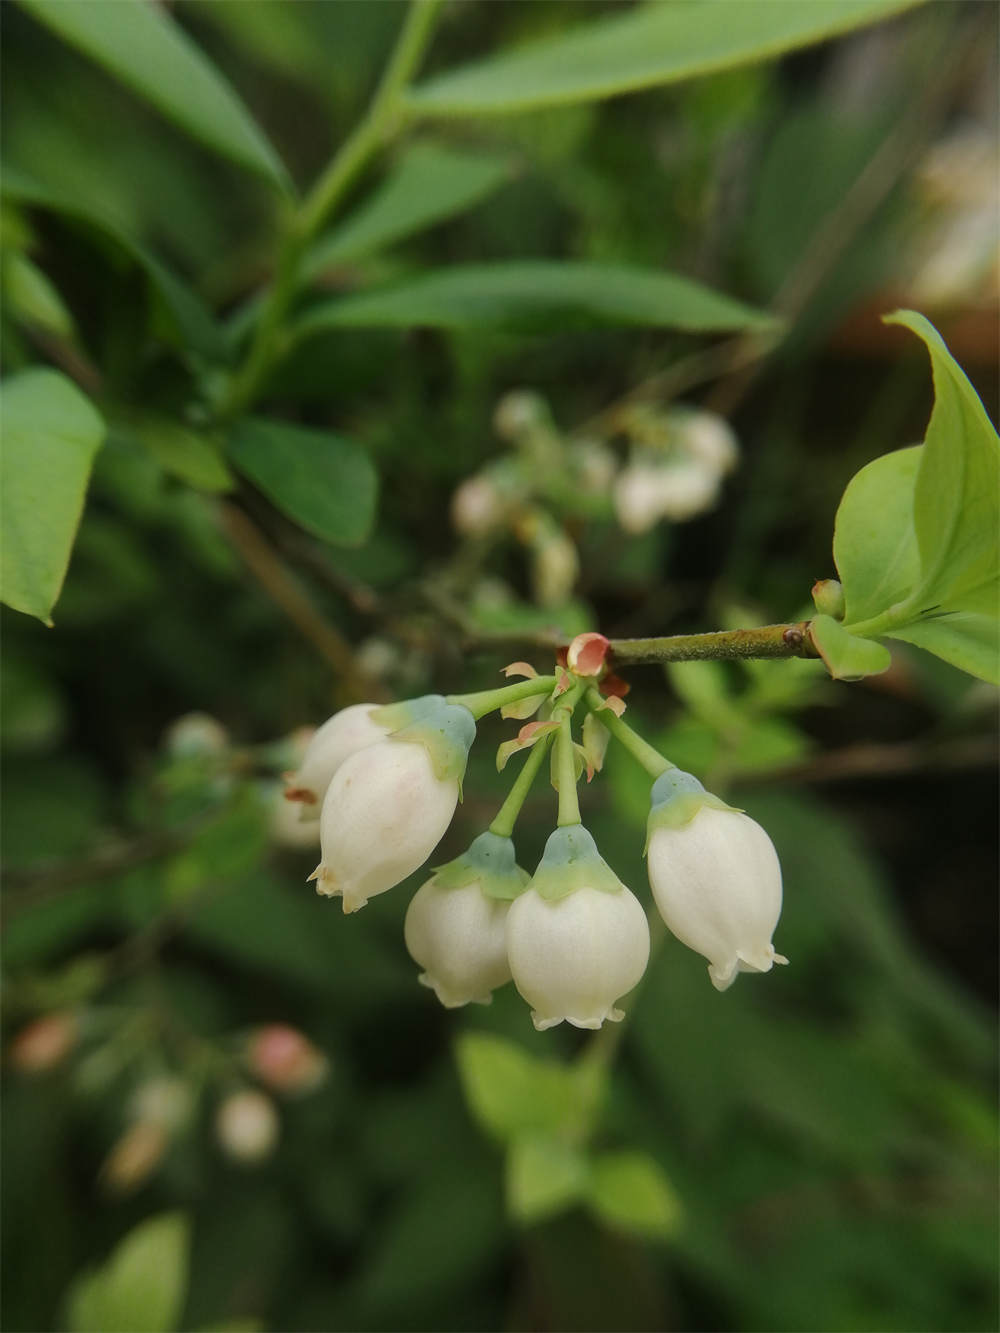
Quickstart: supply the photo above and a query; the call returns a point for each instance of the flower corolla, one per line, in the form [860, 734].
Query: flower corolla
[340, 737]
[577, 938]
[715, 878]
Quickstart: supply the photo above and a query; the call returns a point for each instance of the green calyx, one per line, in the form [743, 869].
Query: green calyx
[675, 799]
[491, 863]
[571, 861]
[445, 730]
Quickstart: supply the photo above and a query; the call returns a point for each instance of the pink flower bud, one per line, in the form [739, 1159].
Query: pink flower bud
[285, 1059]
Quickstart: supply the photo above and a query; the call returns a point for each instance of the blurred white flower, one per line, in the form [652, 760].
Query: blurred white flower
[247, 1126]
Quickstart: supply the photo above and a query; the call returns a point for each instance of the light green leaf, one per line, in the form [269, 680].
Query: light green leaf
[429, 183]
[512, 1093]
[628, 1190]
[51, 433]
[142, 1287]
[874, 543]
[539, 296]
[146, 50]
[324, 482]
[194, 323]
[543, 1177]
[179, 450]
[956, 510]
[967, 640]
[847, 656]
[31, 298]
[652, 44]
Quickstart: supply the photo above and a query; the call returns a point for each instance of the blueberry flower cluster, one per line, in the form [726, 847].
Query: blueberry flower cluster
[384, 783]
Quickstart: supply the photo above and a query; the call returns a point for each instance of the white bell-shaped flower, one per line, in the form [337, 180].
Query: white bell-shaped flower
[577, 939]
[455, 925]
[715, 878]
[389, 805]
[340, 736]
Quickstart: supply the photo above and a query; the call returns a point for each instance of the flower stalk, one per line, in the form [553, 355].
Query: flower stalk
[488, 701]
[507, 815]
[651, 759]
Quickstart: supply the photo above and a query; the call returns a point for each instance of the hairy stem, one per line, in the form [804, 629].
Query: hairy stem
[723, 645]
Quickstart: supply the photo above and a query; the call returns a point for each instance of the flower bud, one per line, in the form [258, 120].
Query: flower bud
[828, 597]
[196, 735]
[637, 497]
[134, 1157]
[715, 878]
[577, 939]
[455, 925]
[709, 439]
[686, 490]
[340, 736]
[518, 412]
[390, 804]
[285, 1059]
[164, 1101]
[476, 507]
[555, 568]
[247, 1126]
[44, 1043]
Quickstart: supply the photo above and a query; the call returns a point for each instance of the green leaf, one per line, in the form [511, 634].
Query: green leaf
[874, 543]
[139, 45]
[543, 1177]
[956, 507]
[51, 433]
[628, 1190]
[539, 296]
[179, 450]
[325, 483]
[512, 1093]
[653, 44]
[847, 656]
[141, 1288]
[967, 640]
[31, 298]
[192, 319]
[429, 183]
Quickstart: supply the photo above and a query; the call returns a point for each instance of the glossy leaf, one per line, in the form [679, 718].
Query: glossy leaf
[543, 1177]
[51, 433]
[147, 51]
[429, 183]
[966, 639]
[652, 44]
[539, 296]
[324, 482]
[847, 656]
[142, 1287]
[956, 503]
[629, 1191]
[192, 319]
[874, 542]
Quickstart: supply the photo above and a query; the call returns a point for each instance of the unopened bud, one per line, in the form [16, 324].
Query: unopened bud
[555, 568]
[195, 735]
[709, 440]
[247, 1126]
[285, 1059]
[162, 1101]
[135, 1157]
[519, 412]
[44, 1044]
[476, 507]
[828, 596]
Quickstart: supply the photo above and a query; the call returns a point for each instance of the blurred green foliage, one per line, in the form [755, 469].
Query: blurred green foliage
[813, 1150]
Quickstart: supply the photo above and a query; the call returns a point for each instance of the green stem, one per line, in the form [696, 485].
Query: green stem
[488, 701]
[652, 761]
[789, 640]
[381, 123]
[503, 825]
[569, 805]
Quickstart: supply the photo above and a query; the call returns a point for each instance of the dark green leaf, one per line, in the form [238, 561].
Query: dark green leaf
[653, 44]
[538, 296]
[429, 183]
[326, 483]
[141, 46]
[141, 1288]
[179, 450]
[51, 433]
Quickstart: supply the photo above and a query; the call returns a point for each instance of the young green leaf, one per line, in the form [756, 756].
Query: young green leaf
[31, 298]
[847, 656]
[512, 1093]
[629, 1191]
[966, 639]
[51, 433]
[194, 324]
[543, 1177]
[874, 543]
[652, 44]
[178, 449]
[324, 482]
[429, 183]
[539, 296]
[142, 1287]
[147, 51]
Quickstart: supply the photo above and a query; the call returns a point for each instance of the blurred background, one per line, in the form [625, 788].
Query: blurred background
[192, 1036]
